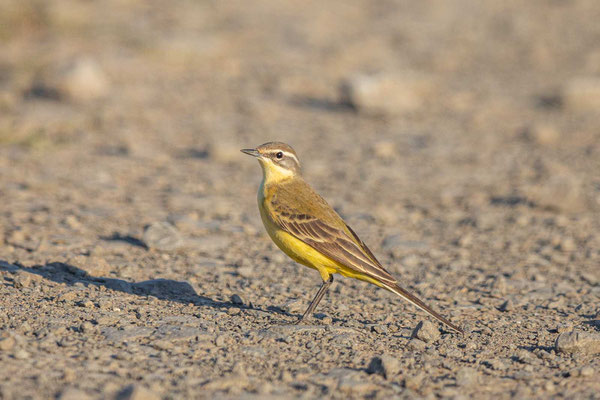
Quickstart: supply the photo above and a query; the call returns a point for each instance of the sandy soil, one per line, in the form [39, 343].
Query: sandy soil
[465, 152]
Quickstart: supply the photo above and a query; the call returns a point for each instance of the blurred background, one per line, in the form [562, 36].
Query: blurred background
[509, 90]
[460, 139]
[442, 101]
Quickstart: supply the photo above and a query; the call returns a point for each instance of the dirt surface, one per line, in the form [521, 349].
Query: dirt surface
[464, 150]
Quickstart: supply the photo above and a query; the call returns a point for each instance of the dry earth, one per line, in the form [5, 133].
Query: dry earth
[464, 148]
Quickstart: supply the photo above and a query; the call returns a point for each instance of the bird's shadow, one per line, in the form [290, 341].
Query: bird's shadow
[163, 289]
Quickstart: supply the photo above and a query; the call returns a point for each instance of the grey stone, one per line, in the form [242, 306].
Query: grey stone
[386, 94]
[67, 296]
[543, 134]
[344, 340]
[163, 344]
[182, 333]
[87, 327]
[467, 377]
[237, 299]
[23, 279]
[575, 342]
[426, 331]
[293, 306]
[254, 351]
[162, 236]
[82, 80]
[414, 382]
[385, 365]
[351, 382]
[127, 334]
[220, 341]
[246, 271]
[416, 344]
[559, 189]
[506, 306]
[21, 354]
[568, 245]
[385, 149]
[496, 364]
[7, 343]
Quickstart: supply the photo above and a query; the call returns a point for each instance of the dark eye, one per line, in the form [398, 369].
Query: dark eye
[279, 155]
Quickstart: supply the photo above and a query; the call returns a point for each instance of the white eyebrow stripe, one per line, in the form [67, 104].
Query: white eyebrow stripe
[287, 153]
[291, 155]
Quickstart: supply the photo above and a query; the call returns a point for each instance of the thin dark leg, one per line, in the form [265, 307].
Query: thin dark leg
[317, 299]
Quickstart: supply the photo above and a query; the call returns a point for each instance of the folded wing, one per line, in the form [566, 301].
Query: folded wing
[315, 223]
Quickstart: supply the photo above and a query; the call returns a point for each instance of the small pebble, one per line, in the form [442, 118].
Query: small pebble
[543, 134]
[7, 343]
[416, 344]
[426, 331]
[86, 327]
[21, 354]
[466, 377]
[575, 342]
[237, 299]
[220, 341]
[385, 365]
[386, 94]
[414, 382]
[162, 236]
[506, 306]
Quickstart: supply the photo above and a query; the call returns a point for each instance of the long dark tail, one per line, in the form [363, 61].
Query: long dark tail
[411, 298]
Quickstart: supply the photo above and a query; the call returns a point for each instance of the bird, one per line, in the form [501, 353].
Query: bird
[306, 228]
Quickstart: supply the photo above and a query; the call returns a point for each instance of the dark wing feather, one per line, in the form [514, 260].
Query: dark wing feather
[315, 223]
[363, 246]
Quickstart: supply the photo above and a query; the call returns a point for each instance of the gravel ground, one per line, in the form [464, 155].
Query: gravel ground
[460, 140]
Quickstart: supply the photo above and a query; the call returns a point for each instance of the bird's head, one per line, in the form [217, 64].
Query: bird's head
[278, 160]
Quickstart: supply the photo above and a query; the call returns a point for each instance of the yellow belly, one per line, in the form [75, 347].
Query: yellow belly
[304, 254]
[297, 250]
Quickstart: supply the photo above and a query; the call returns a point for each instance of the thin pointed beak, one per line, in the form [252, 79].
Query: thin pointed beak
[252, 152]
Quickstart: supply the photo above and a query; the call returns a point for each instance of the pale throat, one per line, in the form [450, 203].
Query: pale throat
[274, 173]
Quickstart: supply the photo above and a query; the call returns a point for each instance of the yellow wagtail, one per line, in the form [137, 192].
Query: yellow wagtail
[307, 229]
